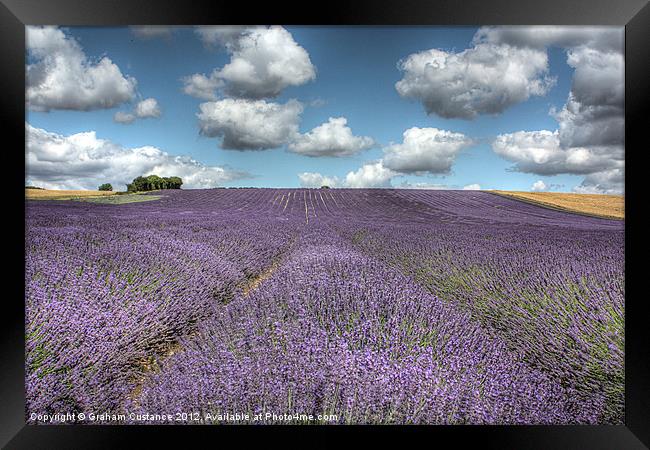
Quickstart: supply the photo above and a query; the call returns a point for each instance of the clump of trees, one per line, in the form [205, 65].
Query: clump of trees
[324, 186]
[106, 187]
[34, 187]
[154, 182]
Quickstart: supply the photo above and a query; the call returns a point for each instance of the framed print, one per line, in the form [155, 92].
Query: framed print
[389, 220]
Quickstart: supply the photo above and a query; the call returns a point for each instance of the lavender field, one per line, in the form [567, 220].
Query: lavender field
[365, 306]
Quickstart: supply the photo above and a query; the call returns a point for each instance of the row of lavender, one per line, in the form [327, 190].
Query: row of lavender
[108, 287]
[335, 333]
[385, 307]
[553, 293]
[542, 286]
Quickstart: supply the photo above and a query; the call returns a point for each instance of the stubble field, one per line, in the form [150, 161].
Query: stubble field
[52, 194]
[608, 206]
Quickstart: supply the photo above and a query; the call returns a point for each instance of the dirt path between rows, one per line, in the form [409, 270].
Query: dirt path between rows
[152, 364]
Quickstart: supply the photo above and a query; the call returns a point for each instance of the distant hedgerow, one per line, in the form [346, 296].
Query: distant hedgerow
[154, 182]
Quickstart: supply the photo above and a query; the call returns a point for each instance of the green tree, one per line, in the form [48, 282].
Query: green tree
[106, 187]
[174, 182]
[153, 182]
[139, 184]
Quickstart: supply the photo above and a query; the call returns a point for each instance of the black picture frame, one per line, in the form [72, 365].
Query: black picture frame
[633, 14]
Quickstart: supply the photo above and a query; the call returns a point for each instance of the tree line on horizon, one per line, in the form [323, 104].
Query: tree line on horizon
[154, 182]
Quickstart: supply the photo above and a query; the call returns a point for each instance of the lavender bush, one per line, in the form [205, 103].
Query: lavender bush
[366, 306]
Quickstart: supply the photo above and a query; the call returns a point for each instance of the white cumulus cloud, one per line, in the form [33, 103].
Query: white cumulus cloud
[589, 139]
[124, 117]
[332, 138]
[370, 175]
[84, 161]
[201, 86]
[485, 79]
[605, 182]
[540, 152]
[224, 35]
[315, 179]
[425, 150]
[147, 108]
[143, 109]
[538, 186]
[250, 124]
[472, 187]
[263, 62]
[543, 36]
[593, 113]
[61, 76]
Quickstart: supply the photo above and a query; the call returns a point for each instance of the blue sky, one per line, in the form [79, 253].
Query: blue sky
[355, 71]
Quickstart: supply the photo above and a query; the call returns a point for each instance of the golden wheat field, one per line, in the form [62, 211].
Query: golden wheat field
[48, 194]
[611, 206]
